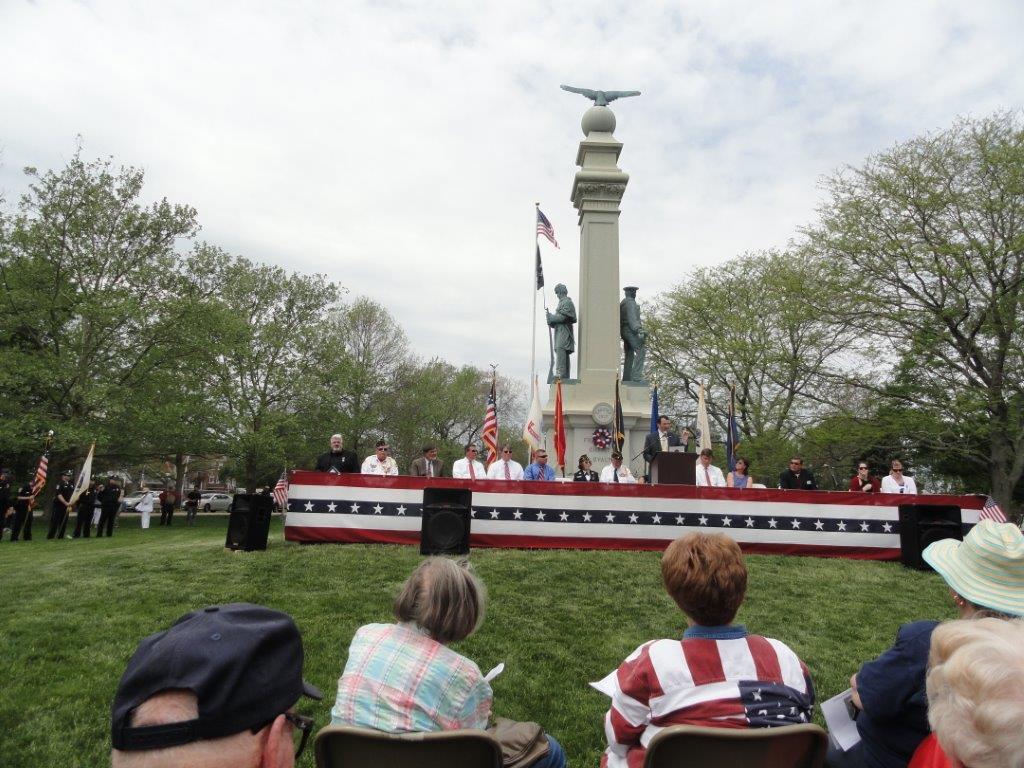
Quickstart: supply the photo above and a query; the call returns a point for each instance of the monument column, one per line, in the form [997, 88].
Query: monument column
[589, 397]
[596, 193]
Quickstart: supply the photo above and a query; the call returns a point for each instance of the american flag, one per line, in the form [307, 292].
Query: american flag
[990, 510]
[41, 472]
[544, 228]
[490, 436]
[281, 491]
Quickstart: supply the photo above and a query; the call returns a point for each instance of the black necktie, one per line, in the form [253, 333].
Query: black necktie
[615, 474]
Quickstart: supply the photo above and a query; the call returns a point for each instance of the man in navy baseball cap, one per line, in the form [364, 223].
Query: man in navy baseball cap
[216, 690]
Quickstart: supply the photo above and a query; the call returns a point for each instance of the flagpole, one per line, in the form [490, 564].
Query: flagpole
[533, 286]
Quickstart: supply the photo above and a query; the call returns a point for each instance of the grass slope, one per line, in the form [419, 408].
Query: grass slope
[73, 612]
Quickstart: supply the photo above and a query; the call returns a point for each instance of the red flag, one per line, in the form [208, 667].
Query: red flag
[559, 427]
[490, 435]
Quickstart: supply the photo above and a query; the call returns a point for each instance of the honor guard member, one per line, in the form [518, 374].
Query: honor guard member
[60, 511]
[5, 499]
[86, 507]
[23, 510]
[110, 503]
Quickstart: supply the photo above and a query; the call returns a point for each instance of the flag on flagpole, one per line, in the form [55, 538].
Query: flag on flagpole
[41, 471]
[84, 477]
[991, 510]
[533, 432]
[281, 491]
[702, 421]
[559, 427]
[490, 434]
[540, 271]
[619, 429]
[544, 227]
[732, 435]
[654, 409]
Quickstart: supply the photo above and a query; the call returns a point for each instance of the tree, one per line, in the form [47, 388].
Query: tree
[927, 241]
[747, 324]
[270, 364]
[88, 303]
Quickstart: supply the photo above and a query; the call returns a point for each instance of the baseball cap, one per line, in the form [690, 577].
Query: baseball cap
[242, 661]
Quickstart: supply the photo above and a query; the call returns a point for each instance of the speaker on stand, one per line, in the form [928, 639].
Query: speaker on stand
[249, 522]
[446, 519]
[922, 524]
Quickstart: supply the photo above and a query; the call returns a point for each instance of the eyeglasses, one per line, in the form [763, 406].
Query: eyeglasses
[861, 467]
[383, 448]
[505, 450]
[542, 455]
[303, 725]
[472, 450]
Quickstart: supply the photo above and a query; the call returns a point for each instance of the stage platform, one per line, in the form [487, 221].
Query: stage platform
[370, 509]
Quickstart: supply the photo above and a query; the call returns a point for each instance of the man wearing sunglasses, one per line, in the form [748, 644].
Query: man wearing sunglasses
[469, 468]
[380, 461]
[505, 467]
[796, 478]
[216, 690]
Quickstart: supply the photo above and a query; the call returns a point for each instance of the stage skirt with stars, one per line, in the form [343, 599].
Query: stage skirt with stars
[536, 514]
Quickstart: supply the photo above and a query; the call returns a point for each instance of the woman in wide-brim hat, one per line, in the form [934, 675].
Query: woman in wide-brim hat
[985, 574]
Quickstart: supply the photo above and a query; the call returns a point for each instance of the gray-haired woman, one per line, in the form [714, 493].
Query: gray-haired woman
[403, 677]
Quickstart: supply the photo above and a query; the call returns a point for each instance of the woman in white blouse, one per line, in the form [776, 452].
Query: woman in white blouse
[896, 481]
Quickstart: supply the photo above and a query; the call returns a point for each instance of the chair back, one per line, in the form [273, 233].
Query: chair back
[692, 746]
[346, 746]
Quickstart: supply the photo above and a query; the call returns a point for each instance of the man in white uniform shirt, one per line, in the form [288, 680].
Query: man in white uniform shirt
[380, 463]
[708, 474]
[616, 473]
[505, 467]
[469, 468]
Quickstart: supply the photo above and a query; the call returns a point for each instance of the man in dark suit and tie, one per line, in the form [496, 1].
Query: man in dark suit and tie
[659, 441]
[428, 465]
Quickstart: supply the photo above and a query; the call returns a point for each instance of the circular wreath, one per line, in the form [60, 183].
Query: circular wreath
[602, 438]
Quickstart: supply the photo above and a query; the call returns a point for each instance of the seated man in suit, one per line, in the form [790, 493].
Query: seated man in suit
[427, 465]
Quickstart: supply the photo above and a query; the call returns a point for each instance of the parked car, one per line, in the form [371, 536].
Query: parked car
[215, 502]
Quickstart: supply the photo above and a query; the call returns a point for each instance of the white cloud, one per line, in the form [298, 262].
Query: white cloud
[399, 147]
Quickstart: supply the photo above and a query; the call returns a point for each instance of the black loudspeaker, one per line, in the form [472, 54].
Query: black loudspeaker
[249, 523]
[921, 524]
[445, 529]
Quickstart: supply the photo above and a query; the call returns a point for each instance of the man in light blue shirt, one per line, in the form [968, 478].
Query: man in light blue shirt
[539, 469]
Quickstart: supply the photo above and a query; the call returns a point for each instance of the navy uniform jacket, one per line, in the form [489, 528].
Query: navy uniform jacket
[65, 490]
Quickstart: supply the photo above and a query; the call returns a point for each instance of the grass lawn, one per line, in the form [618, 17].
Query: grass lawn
[73, 612]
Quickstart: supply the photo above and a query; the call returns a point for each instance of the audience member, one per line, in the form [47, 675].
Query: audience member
[718, 674]
[740, 477]
[468, 468]
[144, 506]
[975, 701]
[337, 460]
[427, 465]
[616, 472]
[505, 467]
[538, 469]
[5, 499]
[192, 504]
[168, 501]
[864, 481]
[796, 478]
[379, 462]
[707, 474]
[896, 481]
[404, 677]
[985, 574]
[584, 474]
[216, 690]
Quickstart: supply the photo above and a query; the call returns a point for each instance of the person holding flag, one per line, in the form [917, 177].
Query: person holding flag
[61, 507]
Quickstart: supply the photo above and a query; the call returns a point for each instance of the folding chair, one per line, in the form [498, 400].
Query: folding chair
[788, 746]
[345, 746]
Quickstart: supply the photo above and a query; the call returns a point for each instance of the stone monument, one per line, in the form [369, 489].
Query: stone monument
[588, 400]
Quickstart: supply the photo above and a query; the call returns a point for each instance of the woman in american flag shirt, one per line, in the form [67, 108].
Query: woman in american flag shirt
[717, 674]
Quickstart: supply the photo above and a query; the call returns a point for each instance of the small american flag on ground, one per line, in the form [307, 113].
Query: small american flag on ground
[281, 492]
[990, 510]
[544, 228]
[41, 472]
[490, 436]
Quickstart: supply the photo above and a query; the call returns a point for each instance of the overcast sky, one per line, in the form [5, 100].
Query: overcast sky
[398, 147]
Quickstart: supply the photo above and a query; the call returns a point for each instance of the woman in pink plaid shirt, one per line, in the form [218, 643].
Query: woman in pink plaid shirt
[403, 677]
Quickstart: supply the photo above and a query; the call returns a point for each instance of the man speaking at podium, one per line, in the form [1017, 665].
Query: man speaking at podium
[659, 441]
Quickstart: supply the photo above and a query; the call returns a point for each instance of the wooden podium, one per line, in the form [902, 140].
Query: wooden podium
[671, 468]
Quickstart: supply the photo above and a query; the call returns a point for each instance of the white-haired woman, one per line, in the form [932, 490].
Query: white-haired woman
[403, 677]
[975, 696]
[985, 575]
